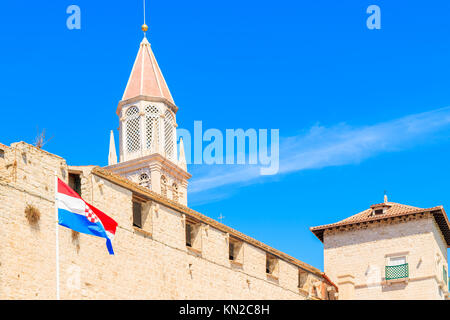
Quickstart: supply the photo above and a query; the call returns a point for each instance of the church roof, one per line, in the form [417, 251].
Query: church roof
[392, 210]
[146, 78]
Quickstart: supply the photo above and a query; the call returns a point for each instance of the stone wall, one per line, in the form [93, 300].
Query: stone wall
[149, 263]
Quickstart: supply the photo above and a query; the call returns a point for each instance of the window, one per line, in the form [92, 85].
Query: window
[302, 278]
[232, 252]
[2, 153]
[235, 251]
[164, 186]
[133, 130]
[175, 192]
[75, 182]
[152, 119]
[397, 268]
[169, 134]
[144, 180]
[331, 293]
[271, 265]
[142, 215]
[137, 214]
[188, 235]
[396, 261]
[379, 209]
[193, 237]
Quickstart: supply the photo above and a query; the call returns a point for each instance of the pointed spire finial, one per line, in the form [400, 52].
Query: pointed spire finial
[112, 158]
[385, 197]
[144, 26]
[182, 158]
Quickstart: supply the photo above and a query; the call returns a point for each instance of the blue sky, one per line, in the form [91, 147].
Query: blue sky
[359, 111]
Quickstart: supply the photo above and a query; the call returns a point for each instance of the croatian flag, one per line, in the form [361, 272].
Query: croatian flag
[76, 214]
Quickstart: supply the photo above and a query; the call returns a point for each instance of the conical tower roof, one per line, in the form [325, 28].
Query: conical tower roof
[146, 78]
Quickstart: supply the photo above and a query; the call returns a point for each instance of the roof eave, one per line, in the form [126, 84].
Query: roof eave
[438, 213]
[122, 103]
[318, 233]
[441, 218]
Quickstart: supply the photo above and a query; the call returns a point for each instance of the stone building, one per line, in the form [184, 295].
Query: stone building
[163, 249]
[389, 251]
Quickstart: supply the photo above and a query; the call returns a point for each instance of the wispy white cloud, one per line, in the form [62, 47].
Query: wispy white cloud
[322, 147]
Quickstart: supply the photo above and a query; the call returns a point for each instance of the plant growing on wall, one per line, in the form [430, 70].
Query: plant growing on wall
[32, 214]
[75, 235]
[76, 239]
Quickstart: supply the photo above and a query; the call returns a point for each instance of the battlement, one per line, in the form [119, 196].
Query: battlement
[164, 250]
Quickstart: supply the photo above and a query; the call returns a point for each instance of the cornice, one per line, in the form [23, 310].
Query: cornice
[172, 106]
[155, 158]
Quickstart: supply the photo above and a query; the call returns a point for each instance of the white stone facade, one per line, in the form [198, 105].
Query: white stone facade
[356, 258]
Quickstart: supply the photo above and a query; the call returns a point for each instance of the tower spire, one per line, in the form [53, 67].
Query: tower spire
[147, 130]
[182, 157]
[112, 158]
[146, 78]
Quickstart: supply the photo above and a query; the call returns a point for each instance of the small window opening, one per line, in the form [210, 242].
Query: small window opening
[378, 209]
[2, 153]
[302, 278]
[175, 192]
[271, 265]
[235, 253]
[397, 261]
[144, 180]
[232, 251]
[193, 238]
[137, 214]
[75, 182]
[331, 293]
[188, 235]
[164, 186]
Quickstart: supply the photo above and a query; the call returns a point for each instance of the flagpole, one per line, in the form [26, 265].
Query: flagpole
[57, 237]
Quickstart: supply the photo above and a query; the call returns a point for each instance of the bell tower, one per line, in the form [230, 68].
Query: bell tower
[148, 152]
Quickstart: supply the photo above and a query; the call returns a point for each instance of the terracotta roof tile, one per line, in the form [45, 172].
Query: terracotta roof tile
[146, 78]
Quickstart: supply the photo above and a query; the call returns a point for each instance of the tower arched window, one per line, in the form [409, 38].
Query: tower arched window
[133, 130]
[164, 186]
[175, 192]
[144, 180]
[169, 131]
[151, 127]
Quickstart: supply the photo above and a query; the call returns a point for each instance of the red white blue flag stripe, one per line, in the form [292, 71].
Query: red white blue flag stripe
[76, 214]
